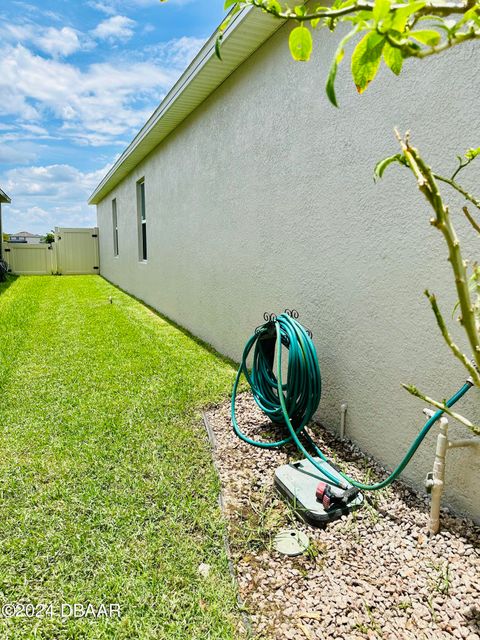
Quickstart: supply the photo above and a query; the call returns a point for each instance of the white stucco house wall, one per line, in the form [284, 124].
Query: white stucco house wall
[246, 192]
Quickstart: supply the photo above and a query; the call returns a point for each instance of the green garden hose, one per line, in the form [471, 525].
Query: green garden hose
[294, 403]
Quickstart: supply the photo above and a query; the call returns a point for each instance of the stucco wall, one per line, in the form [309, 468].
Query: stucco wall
[264, 199]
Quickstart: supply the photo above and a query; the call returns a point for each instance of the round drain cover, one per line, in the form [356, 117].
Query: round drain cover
[290, 542]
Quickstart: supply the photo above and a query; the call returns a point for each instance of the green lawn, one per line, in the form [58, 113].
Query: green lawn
[107, 490]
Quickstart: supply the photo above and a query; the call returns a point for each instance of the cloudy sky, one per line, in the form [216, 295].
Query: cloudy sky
[78, 78]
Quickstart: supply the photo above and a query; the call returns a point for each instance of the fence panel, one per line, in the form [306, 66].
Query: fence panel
[29, 259]
[75, 251]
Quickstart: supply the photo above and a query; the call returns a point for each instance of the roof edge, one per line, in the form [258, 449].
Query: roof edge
[4, 198]
[143, 143]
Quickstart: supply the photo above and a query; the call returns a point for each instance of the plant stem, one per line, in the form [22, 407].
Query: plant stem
[470, 218]
[460, 189]
[447, 44]
[449, 340]
[428, 186]
[441, 405]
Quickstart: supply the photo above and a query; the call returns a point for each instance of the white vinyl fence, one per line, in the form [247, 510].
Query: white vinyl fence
[75, 251]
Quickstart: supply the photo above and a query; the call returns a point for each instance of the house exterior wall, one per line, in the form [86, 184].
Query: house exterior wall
[26, 239]
[264, 199]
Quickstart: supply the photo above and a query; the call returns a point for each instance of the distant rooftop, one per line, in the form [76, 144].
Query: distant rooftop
[26, 234]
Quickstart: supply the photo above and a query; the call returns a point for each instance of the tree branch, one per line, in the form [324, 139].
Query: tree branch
[460, 189]
[449, 340]
[443, 407]
[472, 221]
[433, 8]
[447, 44]
[428, 186]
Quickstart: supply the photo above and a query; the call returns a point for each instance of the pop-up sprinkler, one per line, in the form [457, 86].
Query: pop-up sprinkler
[317, 490]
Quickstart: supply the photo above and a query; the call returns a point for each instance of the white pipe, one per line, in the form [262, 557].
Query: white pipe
[436, 479]
[468, 442]
[343, 413]
[438, 476]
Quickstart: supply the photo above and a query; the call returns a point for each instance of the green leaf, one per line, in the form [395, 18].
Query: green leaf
[218, 43]
[426, 36]
[301, 43]
[383, 164]
[274, 6]
[399, 22]
[366, 59]
[393, 58]
[381, 9]
[471, 14]
[340, 52]
[228, 4]
[471, 154]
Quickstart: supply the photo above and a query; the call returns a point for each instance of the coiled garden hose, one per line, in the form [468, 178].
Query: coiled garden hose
[293, 404]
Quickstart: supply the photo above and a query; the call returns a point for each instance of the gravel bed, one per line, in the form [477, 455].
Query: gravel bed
[372, 574]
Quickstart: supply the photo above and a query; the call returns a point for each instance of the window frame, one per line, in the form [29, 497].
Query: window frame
[142, 221]
[115, 227]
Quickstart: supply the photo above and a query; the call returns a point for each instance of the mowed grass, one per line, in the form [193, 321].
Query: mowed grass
[107, 490]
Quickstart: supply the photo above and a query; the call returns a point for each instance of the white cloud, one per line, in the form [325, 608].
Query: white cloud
[48, 196]
[59, 42]
[115, 28]
[178, 52]
[52, 41]
[93, 106]
[111, 7]
[104, 7]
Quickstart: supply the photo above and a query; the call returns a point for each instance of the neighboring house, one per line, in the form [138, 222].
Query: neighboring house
[25, 237]
[247, 192]
[4, 199]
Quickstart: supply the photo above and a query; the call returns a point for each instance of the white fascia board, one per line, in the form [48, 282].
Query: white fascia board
[247, 31]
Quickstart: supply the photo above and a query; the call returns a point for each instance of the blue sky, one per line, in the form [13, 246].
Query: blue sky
[78, 78]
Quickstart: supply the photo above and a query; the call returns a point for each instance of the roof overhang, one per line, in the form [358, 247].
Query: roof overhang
[247, 31]
[4, 197]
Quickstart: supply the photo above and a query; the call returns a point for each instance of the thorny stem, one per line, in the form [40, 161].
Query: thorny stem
[428, 186]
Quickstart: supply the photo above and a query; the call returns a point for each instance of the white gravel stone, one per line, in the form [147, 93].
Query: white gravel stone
[373, 574]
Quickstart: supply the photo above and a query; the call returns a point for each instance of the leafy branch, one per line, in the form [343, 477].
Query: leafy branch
[387, 31]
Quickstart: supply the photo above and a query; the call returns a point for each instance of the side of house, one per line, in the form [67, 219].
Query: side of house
[262, 197]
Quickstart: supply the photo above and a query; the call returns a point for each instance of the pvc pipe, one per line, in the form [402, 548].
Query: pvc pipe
[436, 481]
[343, 413]
[438, 476]
[467, 442]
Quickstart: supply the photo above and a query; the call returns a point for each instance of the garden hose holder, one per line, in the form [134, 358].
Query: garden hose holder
[318, 491]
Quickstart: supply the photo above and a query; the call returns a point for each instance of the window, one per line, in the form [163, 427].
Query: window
[115, 227]
[142, 220]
